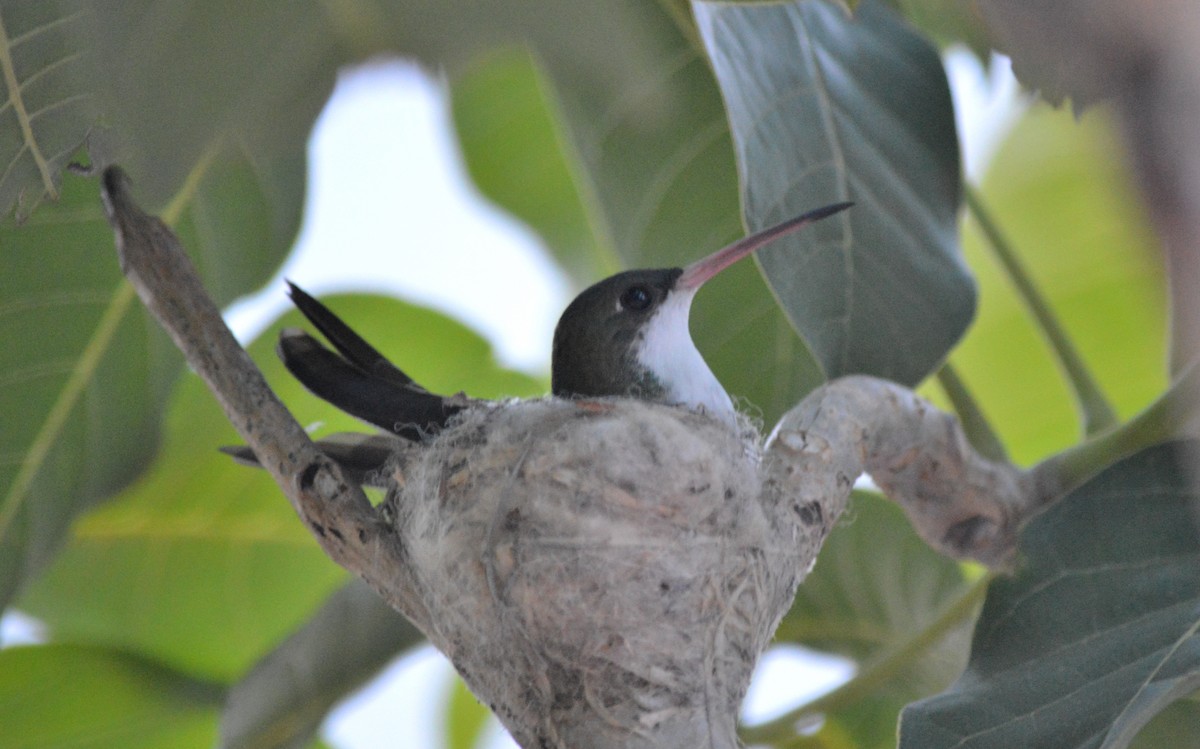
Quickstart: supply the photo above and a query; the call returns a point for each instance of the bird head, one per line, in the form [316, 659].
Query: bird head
[628, 334]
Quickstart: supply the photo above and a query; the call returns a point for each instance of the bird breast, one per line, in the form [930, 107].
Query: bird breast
[667, 352]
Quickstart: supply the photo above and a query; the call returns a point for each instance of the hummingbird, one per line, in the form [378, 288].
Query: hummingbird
[626, 335]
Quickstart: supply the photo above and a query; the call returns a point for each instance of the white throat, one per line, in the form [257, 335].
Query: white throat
[666, 349]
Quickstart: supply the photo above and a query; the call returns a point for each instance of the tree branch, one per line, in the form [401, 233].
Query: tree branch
[961, 503]
[335, 509]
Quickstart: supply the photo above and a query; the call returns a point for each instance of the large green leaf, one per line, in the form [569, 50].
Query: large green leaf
[1097, 631]
[874, 584]
[514, 149]
[875, 591]
[202, 564]
[638, 178]
[1059, 189]
[91, 698]
[175, 77]
[824, 108]
[283, 700]
[85, 371]
[46, 113]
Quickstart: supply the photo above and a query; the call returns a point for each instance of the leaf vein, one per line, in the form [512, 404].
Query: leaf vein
[14, 95]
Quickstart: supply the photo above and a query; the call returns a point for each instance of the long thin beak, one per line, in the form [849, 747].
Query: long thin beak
[700, 271]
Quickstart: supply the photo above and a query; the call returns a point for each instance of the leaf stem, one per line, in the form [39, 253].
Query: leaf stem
[974, 423]
[876, 673]
[16, 97]
[1097, 414]
[1170, 416]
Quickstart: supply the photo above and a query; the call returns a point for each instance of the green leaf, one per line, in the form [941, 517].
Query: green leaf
[46, 113]
[466, 718]
[1177, 727]
[284, 699]
[514, 150]
[90, 698]
[202, 564]
[1060, 191]
[878, 595]
[875, 583]
[239, 226]
[259, 72]
[256, 73]
[643, 176]
[1098, 629]
[85, 371]
[826, 108]
[947, 22]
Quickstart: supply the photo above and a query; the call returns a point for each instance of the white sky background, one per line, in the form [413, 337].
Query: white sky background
[390, 209]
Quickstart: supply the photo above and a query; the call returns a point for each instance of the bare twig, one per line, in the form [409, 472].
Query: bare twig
[334, 508]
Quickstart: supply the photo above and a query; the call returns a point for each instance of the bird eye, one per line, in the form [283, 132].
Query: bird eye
[636, 298]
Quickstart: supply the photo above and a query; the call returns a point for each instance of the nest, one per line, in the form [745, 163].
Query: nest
[601, 576]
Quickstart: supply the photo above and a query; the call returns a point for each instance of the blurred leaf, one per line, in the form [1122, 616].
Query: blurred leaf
[1087, 51]
[875, 583]
[202, 564]
[256, 73]
[849, 109]
[85, 371]
[239, 226]
[1097, 630]
[91, 698]
[1060, 191]
[46, 113]
[514, 151]
[877, 587]
[259, 72]
[643, 177]
[286, 696]
[947, 22]
[466, 718]
[1177, 727]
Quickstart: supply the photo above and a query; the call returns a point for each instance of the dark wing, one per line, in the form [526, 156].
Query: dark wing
[357, 378]
[348, 343]
[364, 457]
